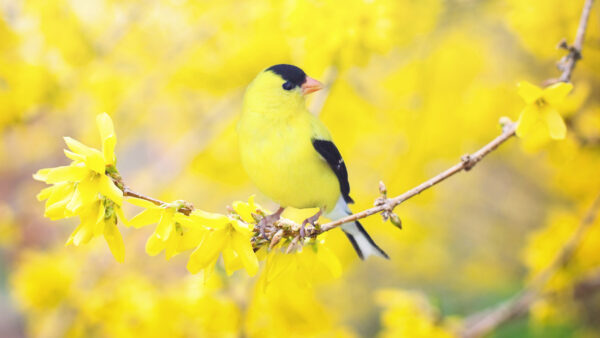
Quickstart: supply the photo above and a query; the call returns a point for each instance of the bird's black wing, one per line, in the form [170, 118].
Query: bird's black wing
[332, 155]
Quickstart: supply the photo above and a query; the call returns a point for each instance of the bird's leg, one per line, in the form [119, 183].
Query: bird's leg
[268, 220]
[312, 219]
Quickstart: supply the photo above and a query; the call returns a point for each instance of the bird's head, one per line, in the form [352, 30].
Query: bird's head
[280, 86]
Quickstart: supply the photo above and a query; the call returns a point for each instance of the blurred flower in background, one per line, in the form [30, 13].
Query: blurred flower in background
[412, 86]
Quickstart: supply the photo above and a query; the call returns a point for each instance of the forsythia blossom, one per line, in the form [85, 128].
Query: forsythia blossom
[312, 262]
[83, 189]
[409, 314]
[541, 111]
[175, 232]
[229, 237]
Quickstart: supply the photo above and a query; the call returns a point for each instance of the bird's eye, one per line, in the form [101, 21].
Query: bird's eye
[288, 85]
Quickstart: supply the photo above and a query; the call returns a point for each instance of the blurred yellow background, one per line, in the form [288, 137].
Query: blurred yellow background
[413, 86]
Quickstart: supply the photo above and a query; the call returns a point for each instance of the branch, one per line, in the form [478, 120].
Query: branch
[587, 286]
[487, 320]
[567, 63]
[289, 229]
[186, 207]
[582, 289]
[467, 163]
[386, 206]
[271, 234]
[274, 232]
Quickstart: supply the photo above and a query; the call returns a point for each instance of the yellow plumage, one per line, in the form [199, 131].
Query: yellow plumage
[275, 134]
[289, 155]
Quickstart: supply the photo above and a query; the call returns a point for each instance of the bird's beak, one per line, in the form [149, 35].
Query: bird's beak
[311, 85]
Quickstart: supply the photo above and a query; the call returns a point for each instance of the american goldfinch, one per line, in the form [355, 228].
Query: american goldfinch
[289, 154]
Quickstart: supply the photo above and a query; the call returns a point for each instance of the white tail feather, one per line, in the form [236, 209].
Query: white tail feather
[360, 239]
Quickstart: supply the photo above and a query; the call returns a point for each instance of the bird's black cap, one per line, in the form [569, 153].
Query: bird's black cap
[289, 73]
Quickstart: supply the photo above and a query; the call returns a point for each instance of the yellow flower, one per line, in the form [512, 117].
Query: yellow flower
[245, 210]
[230, 237]
[83, 189]
[101, 219]
[312, 262]
[540, 111]
[175, 232]
[408, 314]
[43, 280]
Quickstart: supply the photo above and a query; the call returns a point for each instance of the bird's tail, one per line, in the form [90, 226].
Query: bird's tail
[358, 236]
[362, 242]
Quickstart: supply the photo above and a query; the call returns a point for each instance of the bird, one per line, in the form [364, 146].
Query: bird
[289, 153]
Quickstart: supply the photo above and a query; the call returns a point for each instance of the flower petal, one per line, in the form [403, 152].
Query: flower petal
[84, 194]
[277, 263]
[83, 233]
[527, 119]
[529, 92]
[78, 147]
[209, 270]
[93, 158]
[109, 138]
[115, 241]
[172, 245]
[191, 237]
[207, 219]
[67, 174]
[61, 195]
[231, 260]
[120, 215]
[42, 174]
[73, 156]
[555, 123]
[208, 250]
[45, 193]
[537, 137]
[107, 187]
[242, 227]
[146, 217]
[165, 225]
[143, 203]
[243, 247]
[99, 226]
[154, 245]
[557, 92]
[244, 210]
[330, 260]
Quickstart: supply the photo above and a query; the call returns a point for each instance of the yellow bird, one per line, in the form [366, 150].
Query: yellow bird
[289, 154]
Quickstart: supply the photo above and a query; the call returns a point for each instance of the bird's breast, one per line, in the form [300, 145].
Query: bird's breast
[280, 159]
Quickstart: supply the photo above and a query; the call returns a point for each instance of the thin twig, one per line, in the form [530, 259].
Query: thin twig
[586, 286]
[385, 205]
[186, 208]
[485, 321]
[467, 162]
[292, 230]
[567, 64]
[130, 193]
[581, 289]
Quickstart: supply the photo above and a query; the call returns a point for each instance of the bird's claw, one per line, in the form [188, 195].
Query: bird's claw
[262, 227]
[312, 221]
[267, 221]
